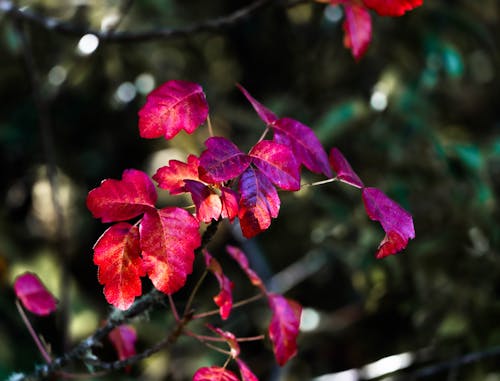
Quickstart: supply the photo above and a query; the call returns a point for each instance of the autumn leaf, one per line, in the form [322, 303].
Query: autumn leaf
[172, 107]
[392, 7]
[230, 339]
[33, 295]
[262, 111]
[123, 339]
[259, 202]
[277, 162]
[120, 267]
[120, 200]
[171, 177]
[245, 372]
[214, 373]
[396, 222]
[344, 171]
[224, 299]
[208, 204]
[222, 160]
[357, 29]
[168, 239]
[240, 257]
[230, 200]
[284, 327]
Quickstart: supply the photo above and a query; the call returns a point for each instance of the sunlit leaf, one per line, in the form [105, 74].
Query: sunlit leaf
[224, 299]
[230, 200]
[240, 257]
[277, 162]
[392, 7]
[396, 222]
[172, 107]
[168, 239]
[208, 204]
[33, 295]
[284, 327]
[357, 29]
[172, 176]
[230, 339]
[214, 373]
[117, 255]
[119, 200]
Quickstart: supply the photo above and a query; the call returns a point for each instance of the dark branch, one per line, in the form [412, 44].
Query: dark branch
[70, 29]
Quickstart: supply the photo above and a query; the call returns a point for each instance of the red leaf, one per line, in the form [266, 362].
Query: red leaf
[357, 29]
[222, 160]
[240, 257]
[120, 200]
[214, 373]
[224, 299]
[230, 340]
[33, 294]
[396, 222]
[172, 177]
[168, 239]
[123, 339]
[277, 162]
[117, 255]
[392, 7]
[245, 372]
[284, 327]
[344, 170]
[172, 107]
[264, 113]
[304, 144]
[259, 202]
[208, 204]
[230, 200]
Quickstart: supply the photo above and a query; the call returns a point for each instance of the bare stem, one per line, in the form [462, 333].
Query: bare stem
[235, 305]
[33, 334]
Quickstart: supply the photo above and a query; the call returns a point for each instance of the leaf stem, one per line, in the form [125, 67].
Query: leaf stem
[319, 182]
[263, 134]
[235, 305]
[173, 307]
[194, 292]
[210, 129]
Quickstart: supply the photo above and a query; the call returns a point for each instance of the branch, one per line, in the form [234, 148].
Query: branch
[69, 29]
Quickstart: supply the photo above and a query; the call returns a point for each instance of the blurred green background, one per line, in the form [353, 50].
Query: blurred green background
[417, 117]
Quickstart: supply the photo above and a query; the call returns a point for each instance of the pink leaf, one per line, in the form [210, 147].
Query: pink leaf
[33, 294]
[214, 373]
[222, 160]
[208, 204]
[245, 372]
[230, 340]
[277, 162]
[123, 339]
[284, 327]
[172, 177]
[172, 107]
[117, 255]
[230, 200]
[357, 29]
[168, 239]
[264, 113]
[392, 7]
[120, 200]
[304, 144]
[344, 170]
[240, 257]
[224, 299]
[396, 222]
[259, 202]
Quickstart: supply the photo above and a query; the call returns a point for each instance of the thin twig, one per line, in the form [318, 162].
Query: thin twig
[70, 29]
[33, 334]
[195, 291]
[235, 305]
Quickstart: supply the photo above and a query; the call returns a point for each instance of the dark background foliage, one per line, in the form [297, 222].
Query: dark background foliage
[434, 147]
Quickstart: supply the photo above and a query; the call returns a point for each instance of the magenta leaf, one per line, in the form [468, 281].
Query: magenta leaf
[222, 160]
[120, 268]
[33, 295]
[123, 339]
[172, 177]
[357, 29]
[208, 204]
[264, 113]
[230, 339]
[169, 237]
[277, 162]
[245, 372]
[304, 144]
[259, 202]
[284, 327]
[214, 373]
[224, 299]
[240, 257]
[344, 170]
[120, 200]
[172, 107]
[392, 7]
[396, 222]
[230, 200]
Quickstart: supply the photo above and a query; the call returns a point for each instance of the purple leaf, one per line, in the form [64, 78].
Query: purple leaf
[304, 144]
[277, 162]
[344, 170]
[264, 113]
[208, 204]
